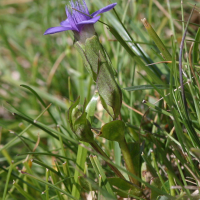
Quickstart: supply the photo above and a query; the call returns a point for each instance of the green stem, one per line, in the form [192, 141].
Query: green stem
[171, 183]
[128, 160]
[157, 170]
[47, 187]
[7, 181]
[98, 149]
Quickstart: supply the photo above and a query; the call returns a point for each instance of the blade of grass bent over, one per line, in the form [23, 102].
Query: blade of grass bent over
[157, 40]
[136, 58]
[180, 65]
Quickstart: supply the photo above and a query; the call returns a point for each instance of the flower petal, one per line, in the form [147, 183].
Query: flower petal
[105, 9]
[81, 13]
[65, 23]
[57, 29]
[90, 21]
[71, 19]
[86, 8]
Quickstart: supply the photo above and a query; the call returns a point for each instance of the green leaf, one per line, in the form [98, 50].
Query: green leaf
[22, 192]
[90, 109]
[134, 148]
[7, 181]
[81, 50]
[92, 51]
[196, 152]
[79, 123]
[145, 87]
[113, 131]
[43, 94]
[40, 99]
[85, 184]
[13, 175]
[80, 166]
[70, 110]
[82, 129]
[157, 40]
[157, 183]
[99, 170]
[109, 91]
[49, 184]
[196, 47]
[124, 188]
[136, 58]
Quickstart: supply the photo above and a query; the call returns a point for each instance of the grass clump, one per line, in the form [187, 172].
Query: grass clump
[151, 149]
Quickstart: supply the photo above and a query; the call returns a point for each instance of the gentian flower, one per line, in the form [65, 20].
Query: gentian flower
[79, 20]
[94, 57]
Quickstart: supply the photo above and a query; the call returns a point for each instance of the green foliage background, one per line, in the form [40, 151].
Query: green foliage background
[52, 67]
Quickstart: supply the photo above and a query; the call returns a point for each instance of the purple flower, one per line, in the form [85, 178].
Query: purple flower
[79, 18]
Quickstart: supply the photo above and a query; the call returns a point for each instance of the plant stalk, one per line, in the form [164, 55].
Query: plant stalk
[128, 161]
[98, 149]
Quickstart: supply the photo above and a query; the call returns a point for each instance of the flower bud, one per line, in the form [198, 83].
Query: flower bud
[79, 124]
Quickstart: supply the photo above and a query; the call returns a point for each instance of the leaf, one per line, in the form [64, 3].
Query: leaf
[101, 175]
[49, 184]
[109, 91]
[157, 40]
[90, 109]
[196, 152]
[195, 48]
[92, 49]
[43, 94]
[134, 148]
[85, 184]
[123, 188]
[87, 65]
[70, 110]
[167, 186]
[157, 183]
[136, 58]
[22, 192]
[80, 167]
[113, 131]
[82, 129]
[40, 99]
[145, 87]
